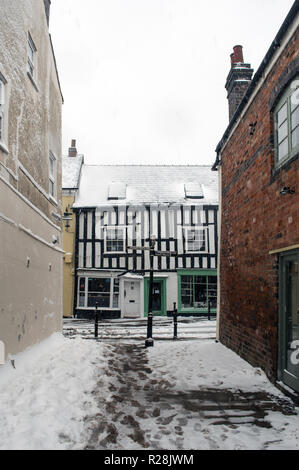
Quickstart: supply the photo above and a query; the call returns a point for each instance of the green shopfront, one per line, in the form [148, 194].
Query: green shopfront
[197, 291]
[194, 291]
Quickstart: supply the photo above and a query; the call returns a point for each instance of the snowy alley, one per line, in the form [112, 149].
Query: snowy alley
[75, 392]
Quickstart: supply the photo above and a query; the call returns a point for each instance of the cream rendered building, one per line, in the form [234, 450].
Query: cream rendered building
[30, 177]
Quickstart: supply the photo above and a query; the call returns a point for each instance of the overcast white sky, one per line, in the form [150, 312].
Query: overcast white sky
[143, 80]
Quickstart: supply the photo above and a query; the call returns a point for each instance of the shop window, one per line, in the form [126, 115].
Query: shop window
[100, 291]
[197, 291]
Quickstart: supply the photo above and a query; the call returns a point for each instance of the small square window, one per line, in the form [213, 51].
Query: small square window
[115, 240]
[196, 240]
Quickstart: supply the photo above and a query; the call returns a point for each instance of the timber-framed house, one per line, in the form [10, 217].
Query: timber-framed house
[118, 209]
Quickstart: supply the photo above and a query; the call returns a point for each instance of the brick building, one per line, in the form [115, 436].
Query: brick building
[258, 165]
[30, 177]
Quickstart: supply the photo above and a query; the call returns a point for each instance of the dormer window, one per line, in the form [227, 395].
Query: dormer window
[117, 191]
[193, 191]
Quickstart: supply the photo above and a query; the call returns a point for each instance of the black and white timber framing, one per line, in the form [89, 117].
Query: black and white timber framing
[168, 221]
[139, 223]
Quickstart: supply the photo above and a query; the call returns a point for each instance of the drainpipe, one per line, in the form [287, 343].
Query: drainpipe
[219, 248]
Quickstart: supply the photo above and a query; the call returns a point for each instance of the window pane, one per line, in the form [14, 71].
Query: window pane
[282, 114]
[295, 118]
[294, 99]
[187, 291]
[51, 166]
[30, 52]
[99, 285]
[82, 284]
[283, 149]
[102, 300]
[115, 293]
[295, 137]
[1, 93]
[212, 290]
[196, 240]
[30, 68]
[51, 188]
[200, 294]
[114, 240]
[283, 131]
[110, 234]
[81, 299]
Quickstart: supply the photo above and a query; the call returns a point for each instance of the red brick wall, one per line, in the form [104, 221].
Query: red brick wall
[256, 218]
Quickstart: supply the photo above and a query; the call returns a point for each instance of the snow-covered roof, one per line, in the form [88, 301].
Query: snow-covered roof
[71, 167]
[145, 184]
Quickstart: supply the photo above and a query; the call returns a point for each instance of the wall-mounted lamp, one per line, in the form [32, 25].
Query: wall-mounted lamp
[67, 217]
[287, 190]
[252, 127]
[55, 239]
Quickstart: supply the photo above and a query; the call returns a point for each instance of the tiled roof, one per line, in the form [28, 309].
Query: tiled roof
[71, 171]
[145, 184]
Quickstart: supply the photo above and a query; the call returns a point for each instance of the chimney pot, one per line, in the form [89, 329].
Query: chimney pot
[238, 54]
[73, 149]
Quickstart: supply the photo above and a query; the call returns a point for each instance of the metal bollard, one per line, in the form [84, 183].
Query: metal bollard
[96, 322]
[175, 322]
[209, 309]
[149, 340]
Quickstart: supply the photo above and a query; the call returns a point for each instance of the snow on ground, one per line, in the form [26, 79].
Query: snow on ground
[44, 399]
[239, 408]
[74, 392]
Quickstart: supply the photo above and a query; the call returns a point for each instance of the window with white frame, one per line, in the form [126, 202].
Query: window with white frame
[2, 106]
[52, 172]
[286, 117]
[115, 239]
[196, 240]
[102, 292]
[31, 56]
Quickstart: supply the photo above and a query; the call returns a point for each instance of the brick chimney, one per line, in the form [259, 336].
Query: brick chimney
[238, 80]
[72, 149]
[47, 4]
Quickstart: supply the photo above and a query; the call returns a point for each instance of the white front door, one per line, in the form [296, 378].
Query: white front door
[132, 299]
